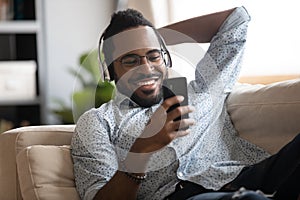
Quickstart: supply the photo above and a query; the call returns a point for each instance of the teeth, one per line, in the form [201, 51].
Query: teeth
[146, 83]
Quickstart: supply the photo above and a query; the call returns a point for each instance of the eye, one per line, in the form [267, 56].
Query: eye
[129, 60]
[154, 56]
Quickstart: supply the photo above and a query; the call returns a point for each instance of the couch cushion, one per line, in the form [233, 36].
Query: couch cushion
[267, 115]
[46, 173]
[12, 141]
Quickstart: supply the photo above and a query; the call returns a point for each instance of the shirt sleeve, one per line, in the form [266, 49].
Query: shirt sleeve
[93, 154]
[221, 64]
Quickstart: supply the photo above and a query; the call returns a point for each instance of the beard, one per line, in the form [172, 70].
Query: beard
[133, 95]
[143, 102]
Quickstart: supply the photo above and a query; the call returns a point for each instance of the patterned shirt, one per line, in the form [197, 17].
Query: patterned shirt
[211, 155]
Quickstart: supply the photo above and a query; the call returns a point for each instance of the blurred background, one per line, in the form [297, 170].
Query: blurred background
[42, 43]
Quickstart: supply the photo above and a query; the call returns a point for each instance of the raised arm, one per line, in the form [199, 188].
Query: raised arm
[199, 29]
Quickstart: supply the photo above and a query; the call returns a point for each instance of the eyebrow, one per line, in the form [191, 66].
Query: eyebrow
[150, 51]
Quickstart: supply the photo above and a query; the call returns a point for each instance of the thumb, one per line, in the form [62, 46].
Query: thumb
[156, 123]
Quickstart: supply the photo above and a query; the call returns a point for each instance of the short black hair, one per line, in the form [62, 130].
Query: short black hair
[119, 22]
[123, 20]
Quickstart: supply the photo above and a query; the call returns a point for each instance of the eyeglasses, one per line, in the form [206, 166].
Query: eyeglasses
[154, 58]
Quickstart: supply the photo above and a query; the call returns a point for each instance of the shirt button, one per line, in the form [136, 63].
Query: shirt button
[180, 174]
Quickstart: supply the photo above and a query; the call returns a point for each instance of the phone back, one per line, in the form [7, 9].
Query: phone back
[176, 86]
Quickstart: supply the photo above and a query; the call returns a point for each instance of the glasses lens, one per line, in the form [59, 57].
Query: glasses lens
[155, 57]
[131, 60]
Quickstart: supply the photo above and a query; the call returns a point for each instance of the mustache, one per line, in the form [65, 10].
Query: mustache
[145, 76]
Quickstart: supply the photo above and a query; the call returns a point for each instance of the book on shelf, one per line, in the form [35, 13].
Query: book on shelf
[17, 10]
[6, 10]
[24, 9]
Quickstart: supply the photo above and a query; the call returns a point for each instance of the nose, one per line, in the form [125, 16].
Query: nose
[143, 60]
[145, 66]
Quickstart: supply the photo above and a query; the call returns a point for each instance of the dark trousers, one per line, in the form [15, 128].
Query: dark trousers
[243, 195]
[279, 175]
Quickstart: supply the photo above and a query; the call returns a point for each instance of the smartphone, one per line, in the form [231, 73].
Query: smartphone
[176, 86]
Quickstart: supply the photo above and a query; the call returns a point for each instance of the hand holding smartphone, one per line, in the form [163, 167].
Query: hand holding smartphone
[176, 86]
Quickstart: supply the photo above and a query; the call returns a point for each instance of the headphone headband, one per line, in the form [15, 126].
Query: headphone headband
[106, 67]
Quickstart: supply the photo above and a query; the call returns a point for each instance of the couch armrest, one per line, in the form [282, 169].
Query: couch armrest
[13, 141]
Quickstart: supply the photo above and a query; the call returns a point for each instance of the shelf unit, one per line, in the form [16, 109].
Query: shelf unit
[24, 40]
[19, 26]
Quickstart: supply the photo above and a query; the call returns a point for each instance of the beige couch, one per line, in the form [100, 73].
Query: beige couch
[35, 162]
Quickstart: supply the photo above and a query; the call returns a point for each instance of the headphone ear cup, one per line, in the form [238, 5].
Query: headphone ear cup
[110, 72]
[103, 70]
[166, 54]
[167, 59]
[106, 72]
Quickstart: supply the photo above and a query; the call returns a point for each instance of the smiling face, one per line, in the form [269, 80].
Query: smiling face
[140, 71]
[141, 83]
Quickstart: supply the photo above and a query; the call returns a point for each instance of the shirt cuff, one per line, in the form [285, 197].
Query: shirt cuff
[237, 17]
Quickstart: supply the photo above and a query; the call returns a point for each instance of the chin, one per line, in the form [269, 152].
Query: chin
[146, 101]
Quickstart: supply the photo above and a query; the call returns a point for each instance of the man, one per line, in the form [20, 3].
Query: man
[132, 148]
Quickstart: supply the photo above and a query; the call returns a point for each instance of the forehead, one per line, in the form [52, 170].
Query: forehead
[133, 39]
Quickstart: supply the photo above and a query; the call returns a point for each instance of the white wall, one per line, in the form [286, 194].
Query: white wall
[71, 27]
[273, 34]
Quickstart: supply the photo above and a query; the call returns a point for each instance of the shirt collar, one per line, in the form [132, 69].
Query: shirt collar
[124, 102]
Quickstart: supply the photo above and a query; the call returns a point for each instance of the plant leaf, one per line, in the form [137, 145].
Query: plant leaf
[89, 61]
[78, 75]
[105, 91]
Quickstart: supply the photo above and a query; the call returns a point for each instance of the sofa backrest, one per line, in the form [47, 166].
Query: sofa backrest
[266, 115]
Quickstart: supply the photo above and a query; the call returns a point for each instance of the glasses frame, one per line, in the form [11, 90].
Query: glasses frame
[162, 54]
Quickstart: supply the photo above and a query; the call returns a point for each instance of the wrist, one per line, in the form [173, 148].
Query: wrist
[135, 163]
[141, 145]
[147, 145]
[137, 178]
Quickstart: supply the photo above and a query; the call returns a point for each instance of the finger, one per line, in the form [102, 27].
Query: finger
[155, 123]
[181, 133]
[171, 101]
[179, 111]
[182, 124]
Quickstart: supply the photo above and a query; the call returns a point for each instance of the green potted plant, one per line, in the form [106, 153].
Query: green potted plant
[92, 92]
